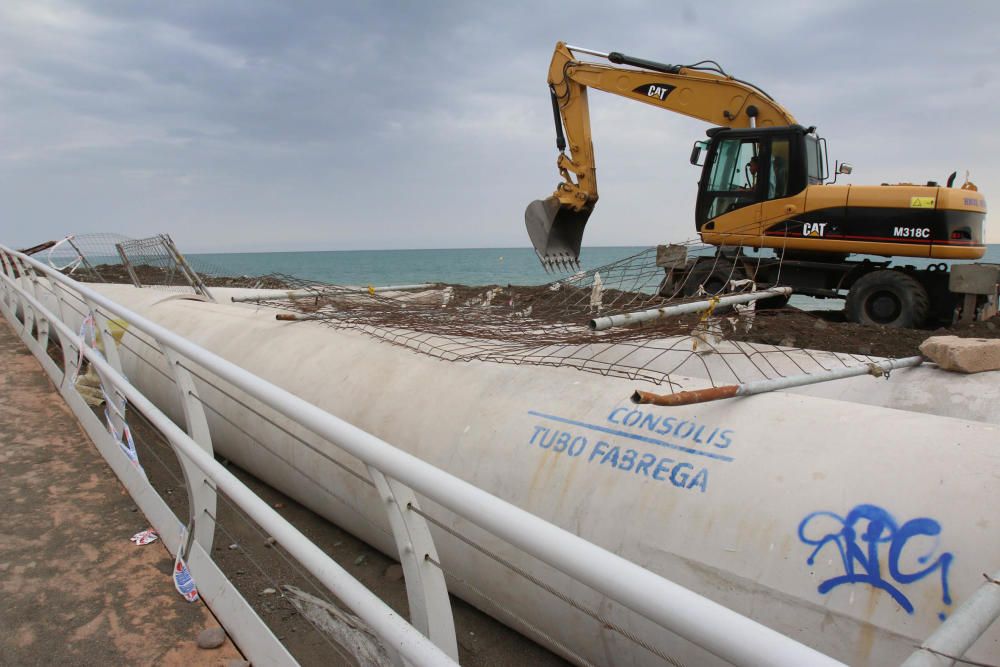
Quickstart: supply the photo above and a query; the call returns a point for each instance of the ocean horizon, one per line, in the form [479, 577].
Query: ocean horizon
[462, 266]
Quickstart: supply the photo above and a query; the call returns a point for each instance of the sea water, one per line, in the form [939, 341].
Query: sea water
[470, 266]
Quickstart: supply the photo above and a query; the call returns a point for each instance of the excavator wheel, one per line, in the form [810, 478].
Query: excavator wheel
[887, 298]
[712, 275]
[774, 302]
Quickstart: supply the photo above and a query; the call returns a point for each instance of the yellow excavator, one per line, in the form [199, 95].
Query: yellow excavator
[765, 183]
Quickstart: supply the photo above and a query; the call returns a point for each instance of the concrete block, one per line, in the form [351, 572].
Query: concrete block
[965, 355]
[974, 278]
[671, 256]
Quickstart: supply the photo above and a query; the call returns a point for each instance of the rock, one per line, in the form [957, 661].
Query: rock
[394, 572]
[991, 326]
[965, 355]
[787, 342]
[211, 638]
[234, 546]
[821, 324]
[268, 591]
[359, 560]
[269, 542]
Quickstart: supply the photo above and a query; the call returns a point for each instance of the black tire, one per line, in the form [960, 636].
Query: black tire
[889, 299]
[774, 302]
[712, 275]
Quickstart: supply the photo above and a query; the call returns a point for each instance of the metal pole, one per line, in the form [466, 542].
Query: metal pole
[299, 317]
[717, 629]
[957, 635]
[194, 279]
[83, 260]
[625, 319]
[128, 265]
[876, 368]
[291, 294]
[589, 52]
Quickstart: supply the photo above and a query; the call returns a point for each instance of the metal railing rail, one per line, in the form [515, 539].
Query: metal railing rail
[955, 636]
[397, 474]
[399, 636]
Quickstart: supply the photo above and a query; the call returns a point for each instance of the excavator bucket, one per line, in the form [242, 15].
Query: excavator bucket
[556, 232]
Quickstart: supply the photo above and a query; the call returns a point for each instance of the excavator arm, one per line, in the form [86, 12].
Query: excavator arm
[555, 225]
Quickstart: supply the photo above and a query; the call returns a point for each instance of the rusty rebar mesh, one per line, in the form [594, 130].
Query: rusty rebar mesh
[544, 325]
[547, 325]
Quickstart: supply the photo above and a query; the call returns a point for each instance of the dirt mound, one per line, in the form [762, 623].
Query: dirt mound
[827, 330]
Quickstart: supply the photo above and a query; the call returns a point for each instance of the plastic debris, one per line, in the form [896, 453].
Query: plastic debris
[183, 581]
[144, 537]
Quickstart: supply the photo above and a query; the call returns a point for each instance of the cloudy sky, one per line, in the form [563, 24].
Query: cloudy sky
[271, 125]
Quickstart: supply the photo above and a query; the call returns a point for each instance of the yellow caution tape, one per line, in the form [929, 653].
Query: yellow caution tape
[371, 290]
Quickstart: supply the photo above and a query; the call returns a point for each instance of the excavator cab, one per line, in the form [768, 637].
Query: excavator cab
[745, 167]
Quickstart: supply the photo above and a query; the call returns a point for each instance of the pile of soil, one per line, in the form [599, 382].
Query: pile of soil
[827, 330]
[156, 276]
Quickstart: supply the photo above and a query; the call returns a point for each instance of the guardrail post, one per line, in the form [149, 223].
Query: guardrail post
[71, 356]
[426, 590]
[8, 269]
[41, 323]
[116, 401]
[103, 327]
[201, 494]
[27, 311]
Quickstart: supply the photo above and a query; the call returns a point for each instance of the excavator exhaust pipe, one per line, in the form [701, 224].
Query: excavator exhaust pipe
[556, 231]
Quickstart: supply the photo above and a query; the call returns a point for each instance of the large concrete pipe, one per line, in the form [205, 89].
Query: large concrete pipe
[854, 526]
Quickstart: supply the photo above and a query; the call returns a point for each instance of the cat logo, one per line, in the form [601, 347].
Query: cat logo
[813, 228]
[657, 90]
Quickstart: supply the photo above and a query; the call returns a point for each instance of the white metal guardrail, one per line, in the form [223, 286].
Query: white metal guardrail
[396, 475]
[193, 449]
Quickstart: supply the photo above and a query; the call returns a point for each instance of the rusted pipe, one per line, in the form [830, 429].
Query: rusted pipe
[296, 317]
[880, 368]
[686, 397]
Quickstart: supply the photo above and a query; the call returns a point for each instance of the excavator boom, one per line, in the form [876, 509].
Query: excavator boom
[703, 91]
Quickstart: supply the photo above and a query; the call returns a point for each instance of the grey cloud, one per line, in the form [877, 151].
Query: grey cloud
[259, 125]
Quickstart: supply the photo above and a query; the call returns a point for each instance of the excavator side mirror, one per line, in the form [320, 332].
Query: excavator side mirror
[844, 168]
[696, 152]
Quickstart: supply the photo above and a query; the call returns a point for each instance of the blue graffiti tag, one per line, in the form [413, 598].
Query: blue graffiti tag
[864, 564]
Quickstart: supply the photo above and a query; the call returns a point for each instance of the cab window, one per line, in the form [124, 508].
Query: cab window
[730, 171]
[814, 167]
[777, 177]
[732, 180]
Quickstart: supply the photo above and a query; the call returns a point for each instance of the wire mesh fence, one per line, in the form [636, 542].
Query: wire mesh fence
[148, 262]
[551, 324]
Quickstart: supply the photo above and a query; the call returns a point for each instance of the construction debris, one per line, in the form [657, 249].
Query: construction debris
[965, 355]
